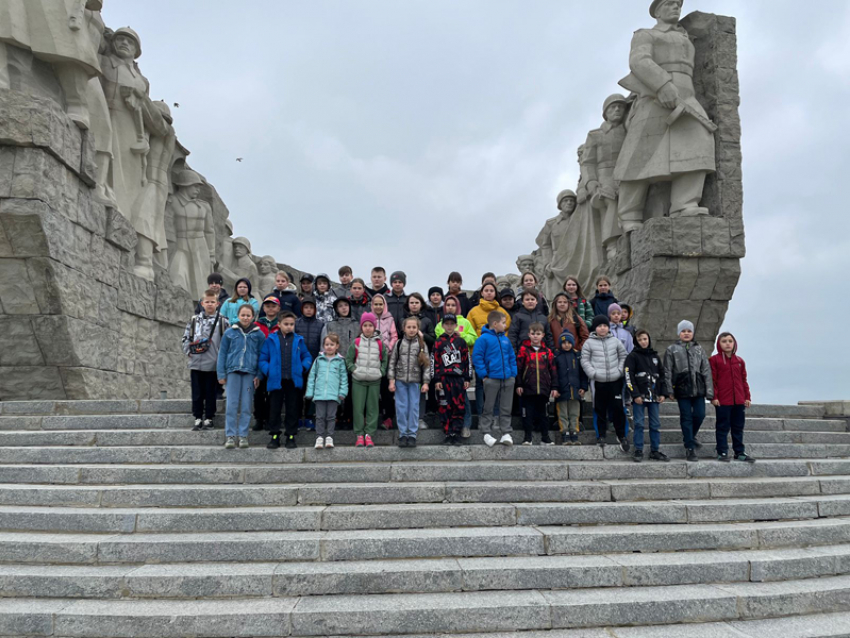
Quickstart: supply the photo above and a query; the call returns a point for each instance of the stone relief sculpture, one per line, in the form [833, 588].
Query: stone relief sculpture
[670, 137]
[267, 267]
[551, 236]
[244, 265]
[525, 263]
[598, 161]
[193, 255]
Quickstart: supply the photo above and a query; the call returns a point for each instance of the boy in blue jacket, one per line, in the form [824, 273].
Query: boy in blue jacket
[238, 368]
[284, 361]
[495, 362]
[572, 386]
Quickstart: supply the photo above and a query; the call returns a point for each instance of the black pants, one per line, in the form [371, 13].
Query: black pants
[287, 398]
[387, 404]
[204, 387]
[730, 417]
[261, 404]
[608, 399]
[452, 400]
[535, 417]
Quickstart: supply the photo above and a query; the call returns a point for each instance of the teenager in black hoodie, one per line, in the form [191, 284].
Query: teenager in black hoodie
[644, 372]
[604, 297]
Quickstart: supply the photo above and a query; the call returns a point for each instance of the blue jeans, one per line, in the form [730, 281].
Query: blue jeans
[240, 399]
[407, 408]
[691, 416]
[639, 412]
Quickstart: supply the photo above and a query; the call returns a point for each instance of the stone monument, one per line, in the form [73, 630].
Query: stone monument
[660, 200]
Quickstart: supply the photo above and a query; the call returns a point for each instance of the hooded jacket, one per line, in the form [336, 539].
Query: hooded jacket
[346, 328]
[328, 379]
[359, 306]
[729, 375]
[310, 328]
[240, 351]
[199, 328]
[464, 330]
[536, 373]
[623, 335]
[230, 309]
[518, 334]
[542, 304]
[571, 376]
[603, 358]
[289, 301]
[451, 358]
[271, 366]
[386, 327]
[687, 372]
[324, 303]
[478, 315]
[404, 363]
[397, 307]
[645, 374]
[494, 357]
[267, 326]
[600, 304]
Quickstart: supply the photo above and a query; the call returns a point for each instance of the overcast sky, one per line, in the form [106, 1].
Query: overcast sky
[433, 135]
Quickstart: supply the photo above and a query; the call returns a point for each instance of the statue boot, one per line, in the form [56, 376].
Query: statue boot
[144, 259]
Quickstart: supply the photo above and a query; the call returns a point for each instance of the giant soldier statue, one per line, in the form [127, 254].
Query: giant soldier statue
[193, 255]
[550, 239]
[670, 138]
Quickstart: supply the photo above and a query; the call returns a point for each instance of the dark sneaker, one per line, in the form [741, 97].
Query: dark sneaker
[600, 441]
[402, 442]
[692, 456]
[309, 424]
[547, 441]
[199, 424]
[697, 444]
[624, 444]
[207, 425]
[274, 443]
[411, 442]
[744, 458]
[290, 443]
[655, 455]
[723, 458]
[449, 440]
[637, 457]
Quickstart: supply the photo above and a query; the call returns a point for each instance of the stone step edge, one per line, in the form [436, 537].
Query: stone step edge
[440, 575]
[458, 612]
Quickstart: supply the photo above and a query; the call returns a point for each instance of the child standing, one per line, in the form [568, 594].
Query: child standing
[325, 298]
[687, 376]
[409, 374]
[358, 300]
[615, 315]
[347, 329]
[327, 387]
[306, 286]
[267, 324]
[529, 314]
[389, 337]
[435, 304]
[310, 328]
[201, 341]
[604, 297]
[230, 308]
[603, 359]
[507, 300]
[535, 384]
[565, 318]
[238, 368]
[367, 362]
[576, 297]
[345, 276]
[645, 382]
[488, 302]
[451, 375]
[396, 299]
[284, 361]
[628, 319]
[284, 290]
[572, 385]
[731, 398]
[496, 366]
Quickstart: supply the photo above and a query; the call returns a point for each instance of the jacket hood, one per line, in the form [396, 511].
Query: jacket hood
[610, 335]
[386, 311]
[489, 306]
[457, 301]
[489, 331]
[734, 350]
[247, 283]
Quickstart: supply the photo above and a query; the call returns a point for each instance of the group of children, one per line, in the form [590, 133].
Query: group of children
[318, 356]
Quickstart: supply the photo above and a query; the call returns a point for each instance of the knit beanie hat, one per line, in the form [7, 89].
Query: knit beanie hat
[434, 289]
[685, 325]
[370, 317]
[398, 275]
[614, 308]
[599, 320]
[566, 335]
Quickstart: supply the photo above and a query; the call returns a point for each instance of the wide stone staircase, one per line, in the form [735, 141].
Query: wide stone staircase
[116, 520]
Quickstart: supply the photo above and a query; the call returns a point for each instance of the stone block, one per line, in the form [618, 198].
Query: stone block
[549, 572]
[69, 549]
[646, 570]
[30, 383]
[661, 274]
[202, 581]
[687, 274]
[751, 510]
[28, 617]
[709, 272]
[654, 239]
[136, 296]
[528, 492]
[234, 519]
[342, 517]
[710, 320]
[727, 280]
[599, 513]
[58, 581]
[105, 261]
[794, 564]
[23, 226]
[687, 236]
[7, 170]
[172, 306]
[119, 231]
[17, 295]
[18, 345]
[716, 239]
[679, 310]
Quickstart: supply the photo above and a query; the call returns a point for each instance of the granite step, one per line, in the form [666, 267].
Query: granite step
[146, 455]
[104, 548]
[185, 437]
[443, 613]
[182, 581]
[258, 495]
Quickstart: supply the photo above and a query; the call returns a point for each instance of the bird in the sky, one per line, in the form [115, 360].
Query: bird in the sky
[239, 159]
[177, 105]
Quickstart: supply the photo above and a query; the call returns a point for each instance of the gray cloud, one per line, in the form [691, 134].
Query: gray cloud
[433, 135]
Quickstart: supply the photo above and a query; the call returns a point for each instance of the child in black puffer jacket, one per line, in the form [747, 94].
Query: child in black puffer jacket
[644, 372]
[572, 385]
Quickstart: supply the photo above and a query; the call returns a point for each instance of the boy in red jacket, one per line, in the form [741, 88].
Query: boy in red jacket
[731, 398]
[536, 382]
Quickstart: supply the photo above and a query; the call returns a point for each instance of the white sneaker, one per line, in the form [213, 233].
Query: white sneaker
[320, 443]
[329, 443]
[198, 424]
[422, 424]
[489, 441]
[506, 440]
[243, 444]
[230, 444]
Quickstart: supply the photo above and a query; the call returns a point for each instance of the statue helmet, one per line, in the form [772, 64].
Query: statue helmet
[162, 107]
[653, 9]
[242, 241]
[614, 99]
[565, 195]
[187, 178]
[129, 32]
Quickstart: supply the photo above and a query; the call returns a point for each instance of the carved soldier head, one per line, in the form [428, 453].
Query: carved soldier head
[614, 109]
[567, 202]
[241, 247]
[127, 44]
[669, 11]
[189, 183]
[267, 265]
[525, 263]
